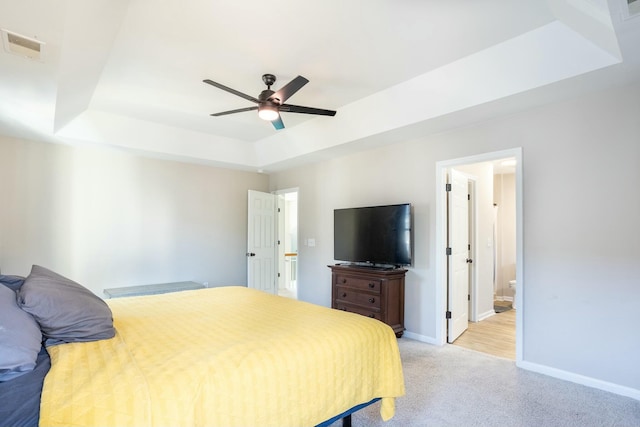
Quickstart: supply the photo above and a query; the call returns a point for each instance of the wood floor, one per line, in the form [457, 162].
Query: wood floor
[495, 335]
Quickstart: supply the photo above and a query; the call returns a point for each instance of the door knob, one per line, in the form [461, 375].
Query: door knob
[250, 254]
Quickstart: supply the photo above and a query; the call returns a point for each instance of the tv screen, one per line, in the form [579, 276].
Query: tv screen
[373, 235]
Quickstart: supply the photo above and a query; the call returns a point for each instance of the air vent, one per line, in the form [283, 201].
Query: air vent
[22, 45]
[630, 8]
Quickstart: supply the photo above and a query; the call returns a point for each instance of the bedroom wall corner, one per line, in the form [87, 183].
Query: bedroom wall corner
[580, 208]
[107, 218]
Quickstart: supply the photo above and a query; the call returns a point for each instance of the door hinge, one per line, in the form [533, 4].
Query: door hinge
[278, 210]
[468, 196]
[447, 187]
[448, 315]
[468, 295]
[278, 242]
[278, 274]
[448, 251]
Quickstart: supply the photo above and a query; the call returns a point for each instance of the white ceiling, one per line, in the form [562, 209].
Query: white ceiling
[129, 74]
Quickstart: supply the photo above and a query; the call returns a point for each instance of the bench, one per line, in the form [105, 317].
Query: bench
[160, 288]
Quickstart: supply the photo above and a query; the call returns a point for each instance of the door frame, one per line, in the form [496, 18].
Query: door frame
[441, 242]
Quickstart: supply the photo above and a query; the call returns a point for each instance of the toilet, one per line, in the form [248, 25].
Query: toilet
[512, 285]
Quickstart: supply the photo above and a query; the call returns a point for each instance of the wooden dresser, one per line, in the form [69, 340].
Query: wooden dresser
[371, 292]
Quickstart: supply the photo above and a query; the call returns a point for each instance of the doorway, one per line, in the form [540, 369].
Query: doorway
[288, 243]
[272, 242]
[489, 280]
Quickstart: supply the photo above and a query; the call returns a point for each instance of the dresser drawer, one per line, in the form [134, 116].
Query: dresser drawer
[359, 310]
[371, 285]
[355, 297]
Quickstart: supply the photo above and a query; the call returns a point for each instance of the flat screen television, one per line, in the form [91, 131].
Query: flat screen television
[373, 235]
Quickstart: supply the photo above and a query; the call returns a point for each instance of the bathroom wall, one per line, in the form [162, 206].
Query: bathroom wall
[504, 192]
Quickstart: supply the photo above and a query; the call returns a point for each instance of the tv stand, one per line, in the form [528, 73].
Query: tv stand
[370, 291]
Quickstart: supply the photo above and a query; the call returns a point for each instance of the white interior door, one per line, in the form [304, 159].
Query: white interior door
[262, 242]
[458, 267]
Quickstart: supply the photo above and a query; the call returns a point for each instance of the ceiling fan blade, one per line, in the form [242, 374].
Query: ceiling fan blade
[239, 110]
[233, 91]
[290, 88]
[288, 108]
[277, 123]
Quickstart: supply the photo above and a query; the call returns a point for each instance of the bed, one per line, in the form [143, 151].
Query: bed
[228, 356]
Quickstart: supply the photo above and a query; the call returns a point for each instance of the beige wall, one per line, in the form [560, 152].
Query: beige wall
[106, 218]
[581, 166]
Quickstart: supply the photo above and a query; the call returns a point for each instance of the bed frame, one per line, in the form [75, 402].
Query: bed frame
[27, 412]
[346, 415]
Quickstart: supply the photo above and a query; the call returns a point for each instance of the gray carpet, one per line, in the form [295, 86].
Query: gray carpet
[453, 386]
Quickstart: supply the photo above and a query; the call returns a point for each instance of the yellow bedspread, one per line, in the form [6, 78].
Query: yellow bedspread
[227, 356]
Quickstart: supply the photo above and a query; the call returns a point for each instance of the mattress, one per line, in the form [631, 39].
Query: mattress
[229, 356]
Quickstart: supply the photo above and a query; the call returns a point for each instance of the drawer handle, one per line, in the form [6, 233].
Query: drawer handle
[372, 315]
[344, 295]
[372, 285]
[372, 300]
[344, 280]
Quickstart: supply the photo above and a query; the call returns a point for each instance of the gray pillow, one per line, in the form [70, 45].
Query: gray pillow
[65, 310]
[20, 338]
[12, 282]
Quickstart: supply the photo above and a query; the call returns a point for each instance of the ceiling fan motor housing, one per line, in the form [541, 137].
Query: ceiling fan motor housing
[265, 96]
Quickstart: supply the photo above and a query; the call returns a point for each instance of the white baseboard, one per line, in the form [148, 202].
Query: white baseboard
[581, 379]
[418, 337]
[486, 315]
[553, 372]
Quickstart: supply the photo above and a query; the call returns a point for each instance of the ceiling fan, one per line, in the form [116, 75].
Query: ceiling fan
[271, 103]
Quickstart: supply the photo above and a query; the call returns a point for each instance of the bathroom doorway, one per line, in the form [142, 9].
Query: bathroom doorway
[492, 323]
[495, 247]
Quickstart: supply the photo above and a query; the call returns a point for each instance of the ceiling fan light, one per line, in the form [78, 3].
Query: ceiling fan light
[268, 112]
